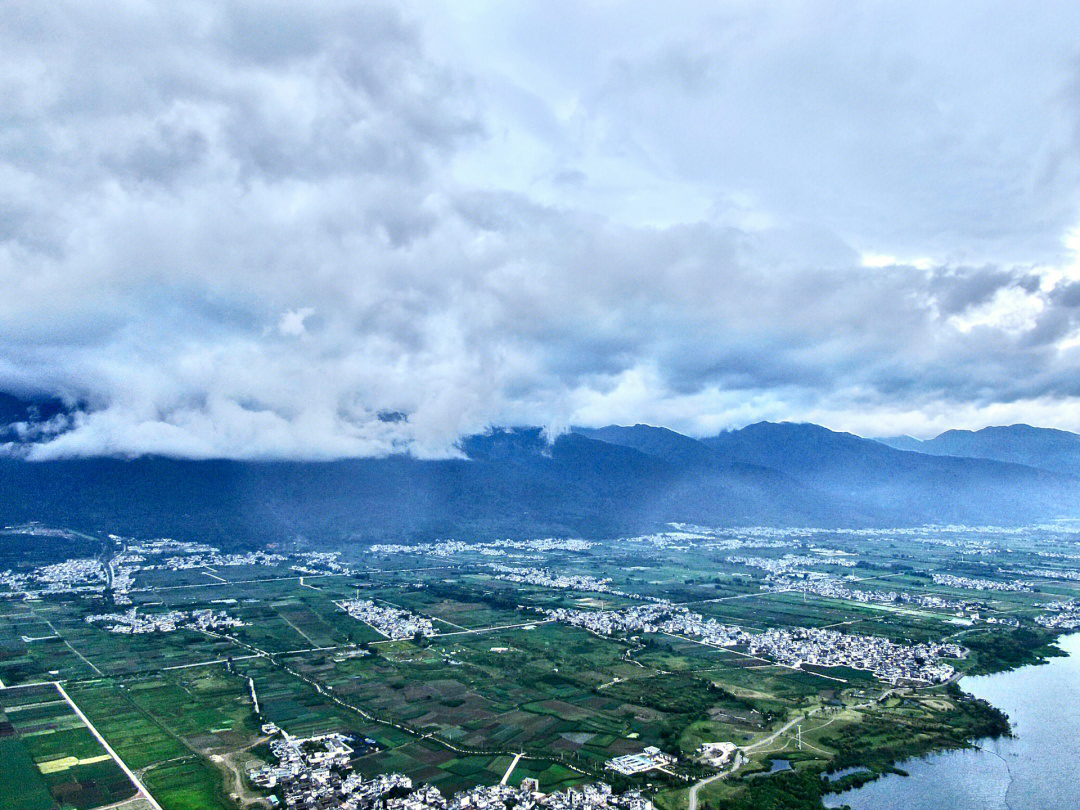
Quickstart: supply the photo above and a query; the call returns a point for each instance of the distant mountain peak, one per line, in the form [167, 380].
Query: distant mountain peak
[1044, 448]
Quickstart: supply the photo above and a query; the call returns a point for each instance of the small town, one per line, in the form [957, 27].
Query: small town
[789, 562]
[826, 585]
[70, 576]
[1064, 616]
[451, 548]
[538, 576]
[662, 617]
[887, 660]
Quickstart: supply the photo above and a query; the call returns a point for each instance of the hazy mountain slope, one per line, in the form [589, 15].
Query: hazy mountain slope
[1045, 448]
[513, 485]
[615, 480]
[656, 441]
[901, 442]
[875, 477]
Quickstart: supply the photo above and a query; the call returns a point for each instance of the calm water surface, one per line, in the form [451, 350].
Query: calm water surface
[1039, 769]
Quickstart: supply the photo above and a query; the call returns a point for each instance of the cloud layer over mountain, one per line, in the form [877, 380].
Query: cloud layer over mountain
[255, 230]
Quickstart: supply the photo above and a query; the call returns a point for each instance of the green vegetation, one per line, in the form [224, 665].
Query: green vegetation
[1000, 650]
[498, 679]
[24, 788]
[187, 784]
[51, 752]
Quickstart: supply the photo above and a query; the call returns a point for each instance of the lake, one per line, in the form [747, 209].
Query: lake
[1035, 770]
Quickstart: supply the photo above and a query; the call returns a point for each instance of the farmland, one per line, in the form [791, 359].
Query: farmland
[50, 757]
[186, 710]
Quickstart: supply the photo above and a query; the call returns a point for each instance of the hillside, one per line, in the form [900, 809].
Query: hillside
[512, 482]
[1044, 448]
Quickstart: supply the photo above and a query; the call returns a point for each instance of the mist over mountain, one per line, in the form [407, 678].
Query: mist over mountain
[25, 419]
[515, 482]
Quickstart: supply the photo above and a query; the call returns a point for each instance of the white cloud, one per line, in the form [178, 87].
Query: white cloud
[485, 214]
[291, 323]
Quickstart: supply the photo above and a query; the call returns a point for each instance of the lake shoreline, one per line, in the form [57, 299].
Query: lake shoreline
[930, 771]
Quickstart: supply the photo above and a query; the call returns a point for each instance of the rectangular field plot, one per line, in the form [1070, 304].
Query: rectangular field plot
[299, 621]
[136, 735]
[175, 775]
[187, 784]
[31, 651]
[52, 757]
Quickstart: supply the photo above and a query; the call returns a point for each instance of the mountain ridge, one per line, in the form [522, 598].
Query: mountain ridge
[594, 482]
[1043, 448]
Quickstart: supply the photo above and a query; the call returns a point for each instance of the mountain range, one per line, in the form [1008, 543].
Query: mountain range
[1043, 448]
[513, 482]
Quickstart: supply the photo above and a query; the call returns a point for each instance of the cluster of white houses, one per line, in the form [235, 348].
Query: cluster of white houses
[90, 575]
[216, 558]
[391, 622]
[539, 576]
[790, 562]
[494, 548]
[1055, 573]
[1062, 616]
[836, 588]
[888, 660]
[316, 773]
[885, 659]
[70, 576]
[979, 584]
[131, 623]
[659, 617]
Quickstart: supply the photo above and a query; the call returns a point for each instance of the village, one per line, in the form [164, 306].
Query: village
[316, 773]
[1063, 616]
[70, 576]
[393, 623]
[789, 562]
[979, 584]
[826, 585]
[130, 623]
[538, 576]
[494, 548]
[888, 660]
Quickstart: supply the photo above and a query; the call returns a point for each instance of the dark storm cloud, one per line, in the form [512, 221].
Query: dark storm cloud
[256, 229]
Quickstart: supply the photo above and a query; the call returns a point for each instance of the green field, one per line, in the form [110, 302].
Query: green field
[497, 679]
[54, 755]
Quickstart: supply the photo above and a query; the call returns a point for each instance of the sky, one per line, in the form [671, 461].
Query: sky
[262, 230]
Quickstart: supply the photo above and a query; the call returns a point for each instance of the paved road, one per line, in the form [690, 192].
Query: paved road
[740, 759]
[510, 770]
[764, 741]
[143, 792]
[693, 800]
